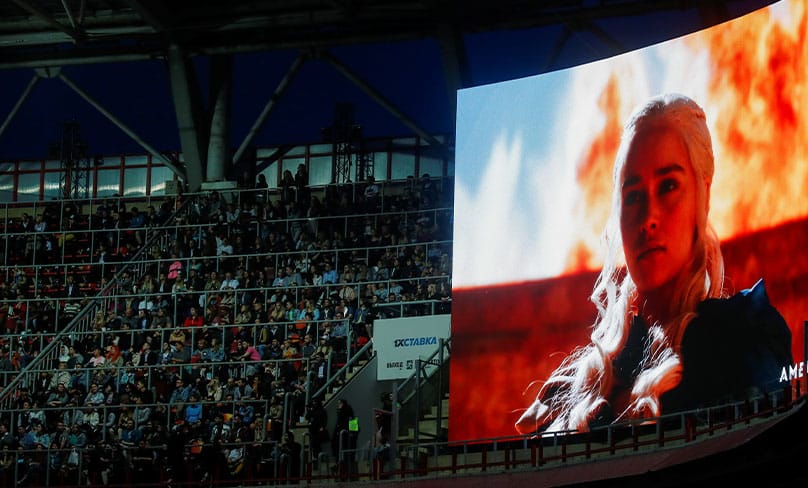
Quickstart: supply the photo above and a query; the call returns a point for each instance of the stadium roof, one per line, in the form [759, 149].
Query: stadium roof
[145, 73]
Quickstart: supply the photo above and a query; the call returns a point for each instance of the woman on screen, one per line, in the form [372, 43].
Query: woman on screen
[665, 339]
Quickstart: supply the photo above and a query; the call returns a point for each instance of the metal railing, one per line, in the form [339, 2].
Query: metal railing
[81, 322]
[364, 353]
[260, 460]
[550, 449]
[409, 398]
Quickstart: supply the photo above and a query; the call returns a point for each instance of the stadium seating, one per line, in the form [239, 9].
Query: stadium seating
[146, 339]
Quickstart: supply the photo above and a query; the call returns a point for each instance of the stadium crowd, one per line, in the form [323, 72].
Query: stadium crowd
[188, 339]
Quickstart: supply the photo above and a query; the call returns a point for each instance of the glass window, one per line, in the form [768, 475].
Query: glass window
[134, 182]
[53, 164]
[320, 170]
[108, 182]
[380, 166]
[272, 174]
[403, 165]
[404, 141]
[371, 162]
[112, 161]
[52, 185]
[291, 164]
[321, 148]
[28, 187]
[30, 165]
[136, 160]
[6, 182]
[433, 166]
[159, 176]
[440, 138]
[265, 152]
[90, 181]
[297, 151]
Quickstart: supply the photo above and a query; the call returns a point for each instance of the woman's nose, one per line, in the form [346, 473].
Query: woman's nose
[650, 219]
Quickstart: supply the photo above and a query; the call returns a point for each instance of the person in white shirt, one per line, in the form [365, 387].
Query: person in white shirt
[229, 282]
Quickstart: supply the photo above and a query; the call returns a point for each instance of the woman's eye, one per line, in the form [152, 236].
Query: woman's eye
[631, 198]
[668, 185]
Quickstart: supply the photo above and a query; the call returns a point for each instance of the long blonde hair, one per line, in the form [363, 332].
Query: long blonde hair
[578, 389]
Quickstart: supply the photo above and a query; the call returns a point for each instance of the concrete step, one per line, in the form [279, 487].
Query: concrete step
[349, 373]
[428, 428]
[433, 410]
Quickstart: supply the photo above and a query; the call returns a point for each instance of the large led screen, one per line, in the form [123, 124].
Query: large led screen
[535, 176]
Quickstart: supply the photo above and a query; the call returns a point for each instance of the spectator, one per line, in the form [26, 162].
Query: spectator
[97, 358]
[175, 268]
[308, 347]
[302, 185]
[180, 354]
[330, 275]
[287, 187]
[261, 188]
[229, 282]
[58, 396]
[193, 319]
[193, 410]
[61, 376]
[371, 194]
[7, 440]
[339, 332]
[181, 393]
[129, 437]
[342, 428]
[290, 451]
[224, 247]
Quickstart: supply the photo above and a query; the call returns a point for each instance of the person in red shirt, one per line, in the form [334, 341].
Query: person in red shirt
[249, 351]
[193, 319]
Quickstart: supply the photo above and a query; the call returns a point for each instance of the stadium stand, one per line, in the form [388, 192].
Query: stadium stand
[189, 341]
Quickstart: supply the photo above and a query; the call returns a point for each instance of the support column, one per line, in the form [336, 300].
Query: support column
[218, 162]
[188, 107]
[455, 64]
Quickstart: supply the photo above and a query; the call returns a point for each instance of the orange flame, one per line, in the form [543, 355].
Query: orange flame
[594, 177]
[757, 92]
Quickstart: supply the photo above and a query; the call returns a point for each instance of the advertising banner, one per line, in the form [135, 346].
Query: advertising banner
[399, 342]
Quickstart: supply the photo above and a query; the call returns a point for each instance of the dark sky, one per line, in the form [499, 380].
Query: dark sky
[138, 93]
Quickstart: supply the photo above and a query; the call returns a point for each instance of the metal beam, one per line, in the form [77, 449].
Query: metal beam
[378, 98]
[17, 105]
[75, 34]
[455, 64]
[276, 95]
[69, 14]
[558, 47]
[154, 13]
[106, 113]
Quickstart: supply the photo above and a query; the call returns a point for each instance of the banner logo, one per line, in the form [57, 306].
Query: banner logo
[415, 341]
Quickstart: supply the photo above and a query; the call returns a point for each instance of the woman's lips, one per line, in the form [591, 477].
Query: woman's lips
[649, 251]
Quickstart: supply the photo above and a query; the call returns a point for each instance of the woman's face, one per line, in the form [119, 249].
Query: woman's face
[658, 208]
